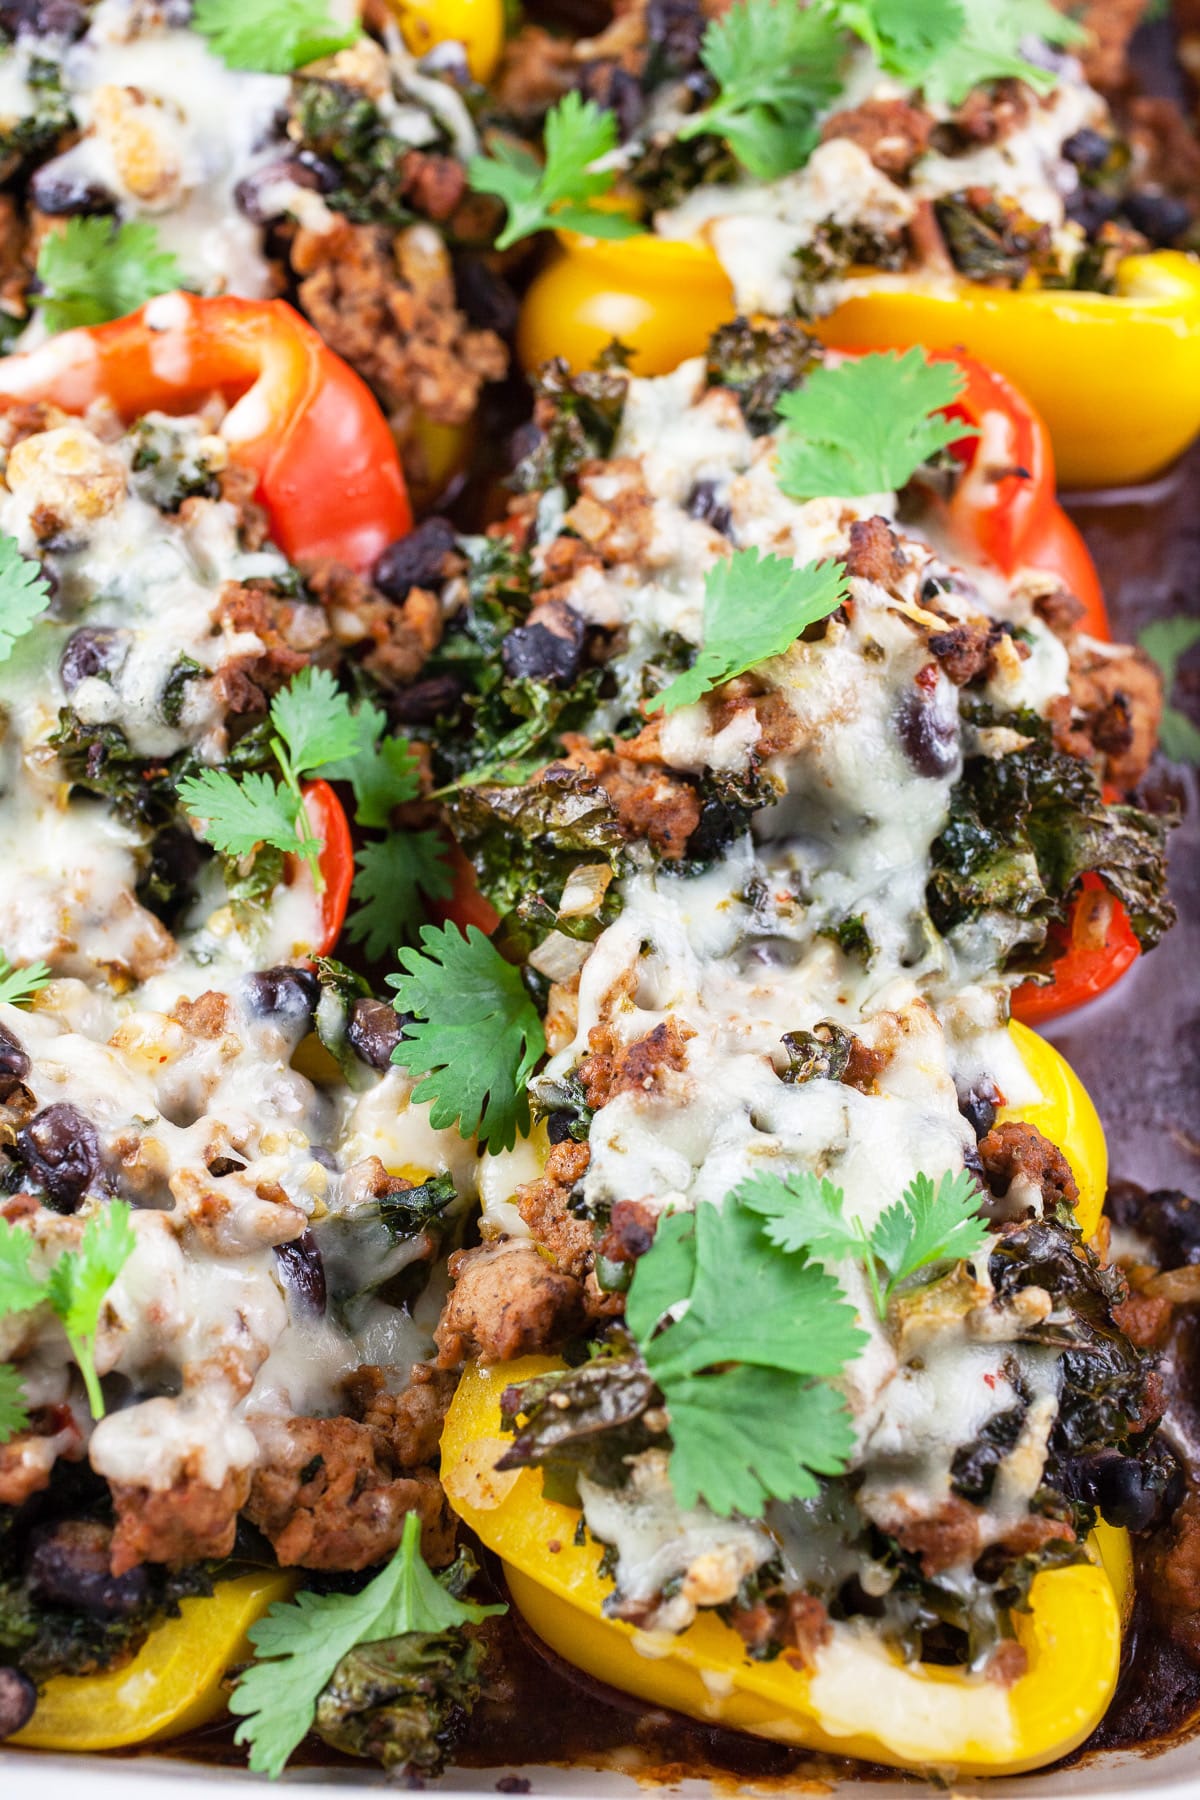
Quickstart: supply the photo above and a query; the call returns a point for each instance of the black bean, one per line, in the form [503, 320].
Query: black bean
[1087, 149]
[1091, 209]
[978, 1106]
[14, 1063]
[304, 170]
[617, 91]
[1169, 1219]
[92, 650]
[539, 654]
[326, 1158]
[62, 193]
[167, 885]
[69, 1567]
[485, 297]
[929, 737]
[674, 29]
[61, 1152]
[18, 1697]
[1133, 1493]
[287, 995]
[1160, 217]
[43, 18]
[373, 1031]
[425, 701]
[302, 1272]
[702, 503]
[415, 560]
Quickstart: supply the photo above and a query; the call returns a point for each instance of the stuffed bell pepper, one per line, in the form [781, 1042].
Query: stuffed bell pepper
[218, 1211]
[940, 175]
[785, 1338]
[145, 148]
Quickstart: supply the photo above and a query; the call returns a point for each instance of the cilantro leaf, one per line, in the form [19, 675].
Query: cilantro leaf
[20, 1289]
[558, 192]
[1167, 641]
[96, 270]
[390, 880]
[78, 1285]
[929, 1226]
[273, 36]
[989, 48]
[383, 775]
[745, 1436]
[802, 1212]
[18, 986]
[24, 595]
[475, 1035]
[904, 35]
[863, 426]
[748, 1303]
[755, 607]
[776, 66]
[238, 815]
[313, 718]
[1178, 738]
[301, 1642]
[13, 1416]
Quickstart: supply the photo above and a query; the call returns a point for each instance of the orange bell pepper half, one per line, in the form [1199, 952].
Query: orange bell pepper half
[328, 472]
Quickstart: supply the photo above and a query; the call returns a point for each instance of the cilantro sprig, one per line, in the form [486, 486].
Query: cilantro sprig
[865, 425]
[558, 192]
[272, 36]
[394, 875]
[1168, 641]
[926, 1226]
[301, 1642]
[741, 1370]
[755, 607]
[24, 595]
[776, 65]
[95, 270]
[474, 1034]
[314, 727]
[75, 1288]
[947, 47]
[19, 985]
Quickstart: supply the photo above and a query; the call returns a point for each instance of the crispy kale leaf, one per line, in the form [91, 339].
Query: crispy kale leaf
[578, 416]
[583, 1422]
[760, 363]
[1024, 827]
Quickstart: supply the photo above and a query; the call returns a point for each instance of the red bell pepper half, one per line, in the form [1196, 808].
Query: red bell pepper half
[328, 472]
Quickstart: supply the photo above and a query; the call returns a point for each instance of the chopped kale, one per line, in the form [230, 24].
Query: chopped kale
[818, 1055]
[405, 1701]
[973, 1471]
[1105, 1395]
[728, 802]
[167, 468]
[834, 249]
[1024, 827]
[583, 1422]
[98, 759]
[852, 938]
[524, 842]
[670, 168]
[175, 688]
[577, 417]
[38, 131]
[991, 240]
[405, 1213]
[761, 363]
[339, 127]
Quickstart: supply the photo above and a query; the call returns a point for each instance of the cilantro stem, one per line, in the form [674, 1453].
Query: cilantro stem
[868, 1262]
[81, 1351]
[309, 842]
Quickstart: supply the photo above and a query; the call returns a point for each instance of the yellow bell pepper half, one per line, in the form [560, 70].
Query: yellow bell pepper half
[476, 24]
[1115, 376]
[860, 1700]
[174, 1683]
